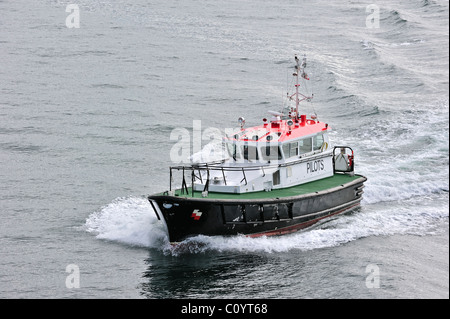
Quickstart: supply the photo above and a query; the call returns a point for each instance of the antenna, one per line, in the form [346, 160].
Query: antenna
[299, 69]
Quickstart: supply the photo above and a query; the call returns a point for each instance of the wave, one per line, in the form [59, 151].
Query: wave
[393, 17]
[128, 220]
[433, 6]
[404, 153]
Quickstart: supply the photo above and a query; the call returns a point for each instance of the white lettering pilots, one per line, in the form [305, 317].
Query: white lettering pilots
[315, 166]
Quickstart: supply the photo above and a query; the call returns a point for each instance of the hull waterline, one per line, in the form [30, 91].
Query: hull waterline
[186, 216]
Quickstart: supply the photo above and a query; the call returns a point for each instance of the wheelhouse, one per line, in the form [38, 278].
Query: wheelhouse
[280, 143]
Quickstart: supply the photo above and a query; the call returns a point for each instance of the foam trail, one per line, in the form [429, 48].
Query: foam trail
[405, 159]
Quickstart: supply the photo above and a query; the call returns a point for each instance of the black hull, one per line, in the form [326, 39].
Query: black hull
[186, 217]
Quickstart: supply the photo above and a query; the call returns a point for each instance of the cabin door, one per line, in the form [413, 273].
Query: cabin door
[276, 178]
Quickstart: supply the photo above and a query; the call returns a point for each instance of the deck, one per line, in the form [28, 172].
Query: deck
[302, 189]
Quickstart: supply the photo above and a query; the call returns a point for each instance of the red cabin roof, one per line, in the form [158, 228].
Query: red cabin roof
[281, 131]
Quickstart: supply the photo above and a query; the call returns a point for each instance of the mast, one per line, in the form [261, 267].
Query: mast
[297, 100]
[299, 69]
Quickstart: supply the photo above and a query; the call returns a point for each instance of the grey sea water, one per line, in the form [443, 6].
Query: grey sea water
[86, 116]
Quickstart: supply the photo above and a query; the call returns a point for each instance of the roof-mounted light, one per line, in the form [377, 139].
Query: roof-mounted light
[290, 123]
[241, 121]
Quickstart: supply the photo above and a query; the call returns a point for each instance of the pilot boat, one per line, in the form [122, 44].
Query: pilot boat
[279, 177]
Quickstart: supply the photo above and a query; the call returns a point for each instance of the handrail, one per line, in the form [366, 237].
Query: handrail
[351, 160]
[245, 178]
[210, 165]
[215, 166]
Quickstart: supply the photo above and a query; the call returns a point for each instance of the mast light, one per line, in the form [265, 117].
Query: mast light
[241, 121]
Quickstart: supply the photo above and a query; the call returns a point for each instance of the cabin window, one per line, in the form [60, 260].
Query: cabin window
[290, 149]
[318, 141]
[289, 171]
[271, 153]
[305, 145]
[233, 151]
[250, 153]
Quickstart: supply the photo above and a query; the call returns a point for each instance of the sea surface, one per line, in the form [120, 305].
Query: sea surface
[86, 117]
